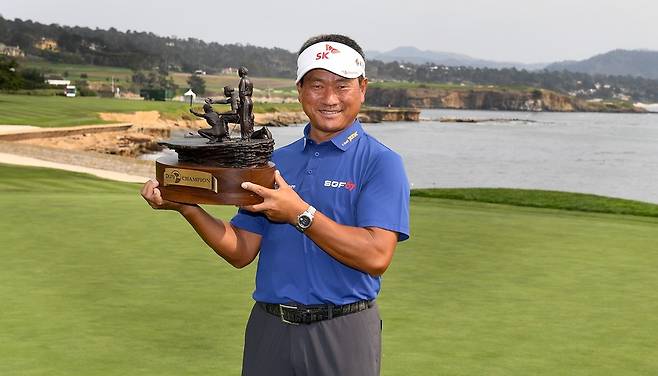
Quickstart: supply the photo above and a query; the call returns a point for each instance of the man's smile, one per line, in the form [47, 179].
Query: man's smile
[329, 113]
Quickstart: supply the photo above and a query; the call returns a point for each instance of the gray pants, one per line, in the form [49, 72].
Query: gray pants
[343, 346]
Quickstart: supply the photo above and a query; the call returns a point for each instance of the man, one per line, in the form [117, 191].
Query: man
[212, 118]
[325, 238]
[246, 90]
[232, 116]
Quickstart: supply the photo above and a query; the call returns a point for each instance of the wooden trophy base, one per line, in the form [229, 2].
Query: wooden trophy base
[192, 183]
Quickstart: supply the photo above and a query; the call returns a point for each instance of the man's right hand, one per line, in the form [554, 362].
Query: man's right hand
[237, 246]
[153, 197]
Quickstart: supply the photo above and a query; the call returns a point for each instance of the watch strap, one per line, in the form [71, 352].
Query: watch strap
[308, 213]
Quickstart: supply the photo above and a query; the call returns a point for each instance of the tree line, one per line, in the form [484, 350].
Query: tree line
[13, 78]
[145, 51]
[581, 85]
[142, 50]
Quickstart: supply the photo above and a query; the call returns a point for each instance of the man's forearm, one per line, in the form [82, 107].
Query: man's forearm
[369, 250]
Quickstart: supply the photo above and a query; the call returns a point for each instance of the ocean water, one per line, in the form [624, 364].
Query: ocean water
[607, 154]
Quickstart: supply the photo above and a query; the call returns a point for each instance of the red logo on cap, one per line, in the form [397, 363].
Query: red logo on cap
[325, 55]
[331, 49]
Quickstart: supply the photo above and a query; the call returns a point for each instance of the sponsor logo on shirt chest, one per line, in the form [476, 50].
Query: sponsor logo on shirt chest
[340, 184]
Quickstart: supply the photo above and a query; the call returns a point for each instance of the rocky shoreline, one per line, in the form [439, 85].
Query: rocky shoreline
[139, 133]
[490, 99]
[82, 158]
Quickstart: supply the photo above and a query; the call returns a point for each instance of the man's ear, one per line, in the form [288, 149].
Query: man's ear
[299, 91]
[363, 87]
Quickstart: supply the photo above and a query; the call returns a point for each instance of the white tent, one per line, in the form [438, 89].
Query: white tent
[189, 95]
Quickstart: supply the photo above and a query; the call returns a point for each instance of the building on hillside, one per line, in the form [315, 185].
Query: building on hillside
[55, 82]
[47, 44]
[229, 70]
[11, 51]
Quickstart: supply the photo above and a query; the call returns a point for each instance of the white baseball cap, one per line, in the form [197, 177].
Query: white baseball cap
[335, 57]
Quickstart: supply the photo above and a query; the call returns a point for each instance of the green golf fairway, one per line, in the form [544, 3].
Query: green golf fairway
[95, 282]
[54, 111]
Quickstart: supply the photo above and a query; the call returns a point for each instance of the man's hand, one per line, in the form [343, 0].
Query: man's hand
[238, 247]
[153, 197]
[281, 204]
[369, 249]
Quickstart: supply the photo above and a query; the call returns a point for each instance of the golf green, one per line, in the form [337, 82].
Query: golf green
[94, 282]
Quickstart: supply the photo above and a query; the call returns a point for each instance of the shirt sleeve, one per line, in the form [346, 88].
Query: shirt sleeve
[252, 222]
[384, 198]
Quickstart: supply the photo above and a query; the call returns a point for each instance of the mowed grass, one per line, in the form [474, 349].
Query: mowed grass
[543, 199]
[280, 87]
[94, 282]
[122, 76]
[56, 111]
[215, 82]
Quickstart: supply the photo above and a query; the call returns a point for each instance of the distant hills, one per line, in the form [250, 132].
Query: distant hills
[416, 56]
[638, 63]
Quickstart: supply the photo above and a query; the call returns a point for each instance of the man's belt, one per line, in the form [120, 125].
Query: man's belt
[301, 314]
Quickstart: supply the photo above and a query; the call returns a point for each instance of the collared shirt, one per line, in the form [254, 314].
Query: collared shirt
[352, 179]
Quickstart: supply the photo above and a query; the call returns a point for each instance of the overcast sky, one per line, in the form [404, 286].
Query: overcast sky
[505, 30]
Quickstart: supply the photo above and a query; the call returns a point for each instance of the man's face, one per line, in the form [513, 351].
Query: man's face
[331, 102]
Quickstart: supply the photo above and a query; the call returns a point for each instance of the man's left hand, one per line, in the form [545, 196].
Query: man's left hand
[281, 204]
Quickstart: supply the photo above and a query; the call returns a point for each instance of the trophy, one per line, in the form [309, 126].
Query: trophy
[211, 166]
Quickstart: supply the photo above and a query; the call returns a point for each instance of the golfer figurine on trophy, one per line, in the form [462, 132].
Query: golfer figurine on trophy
[210, 168]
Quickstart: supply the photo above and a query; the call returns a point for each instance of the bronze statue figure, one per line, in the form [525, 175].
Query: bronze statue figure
[218, 130]
[262, 134]
[246, 90]
[210, 167]
[242, 107]
[241, 113]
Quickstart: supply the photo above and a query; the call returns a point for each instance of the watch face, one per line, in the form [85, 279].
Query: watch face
[304, 221]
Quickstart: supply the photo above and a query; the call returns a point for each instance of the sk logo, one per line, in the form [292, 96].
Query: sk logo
[325, 55]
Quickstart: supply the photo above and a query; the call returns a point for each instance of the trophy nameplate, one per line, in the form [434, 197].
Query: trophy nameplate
[189, 178]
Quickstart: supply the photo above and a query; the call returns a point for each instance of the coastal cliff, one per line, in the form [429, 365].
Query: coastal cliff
[488, 99]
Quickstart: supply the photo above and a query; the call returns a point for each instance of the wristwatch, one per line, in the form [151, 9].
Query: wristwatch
[305, 219]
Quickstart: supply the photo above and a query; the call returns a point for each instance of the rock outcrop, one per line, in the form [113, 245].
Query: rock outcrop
[487, 99]
[378, 115]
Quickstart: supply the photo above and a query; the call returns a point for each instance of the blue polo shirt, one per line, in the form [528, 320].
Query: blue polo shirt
[352, 179]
